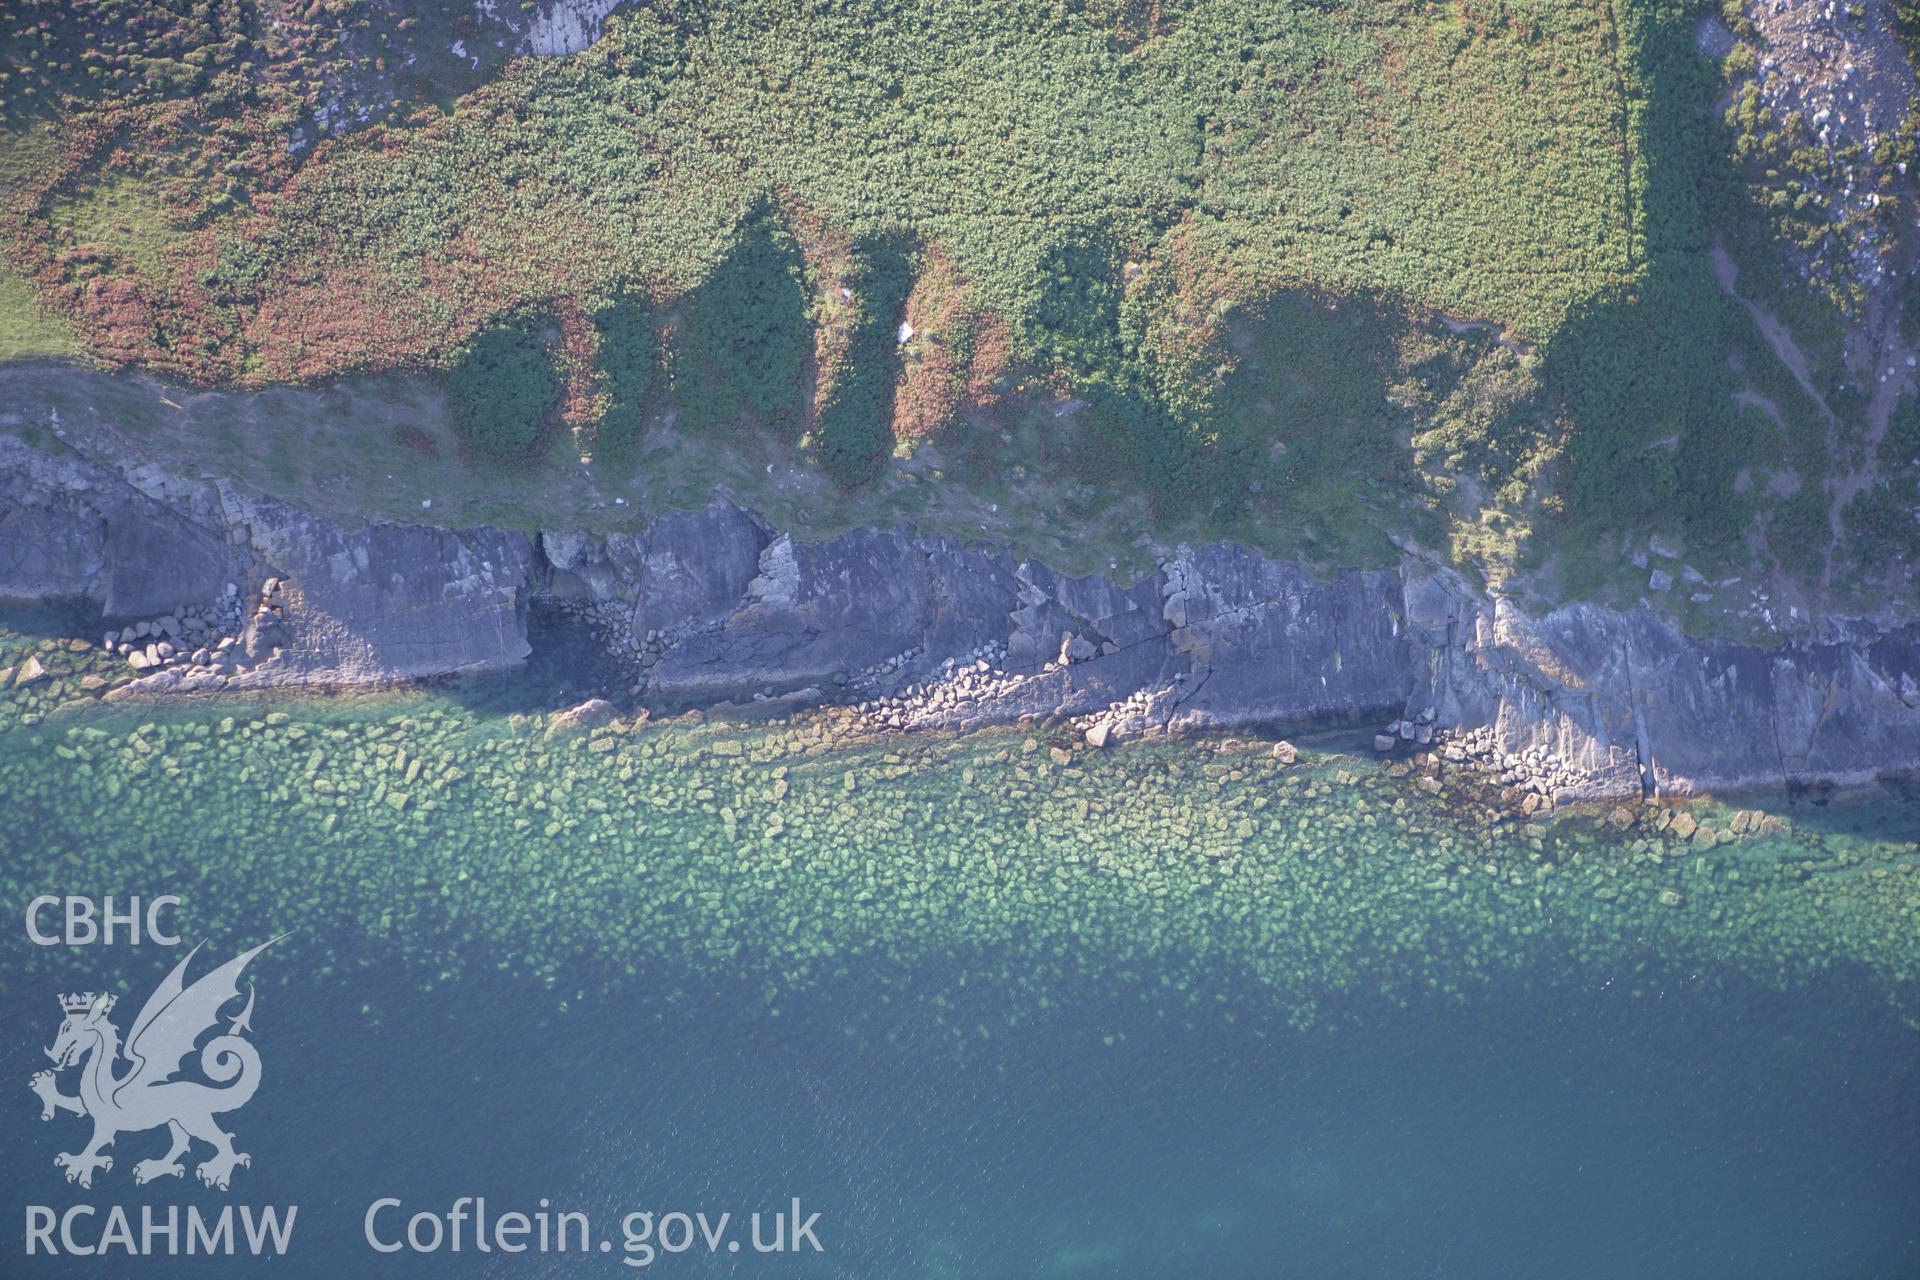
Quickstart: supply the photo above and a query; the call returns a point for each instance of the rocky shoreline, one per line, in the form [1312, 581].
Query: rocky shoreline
[901, 632]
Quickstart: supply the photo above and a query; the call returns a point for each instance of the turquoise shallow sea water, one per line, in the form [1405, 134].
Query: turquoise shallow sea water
[1177, 1010]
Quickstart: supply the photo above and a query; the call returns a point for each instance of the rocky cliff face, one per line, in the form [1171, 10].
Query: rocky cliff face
[567, 26]
[380, 603]
[1630, 705]
[70, 530]
[914, 632]
[326, 606]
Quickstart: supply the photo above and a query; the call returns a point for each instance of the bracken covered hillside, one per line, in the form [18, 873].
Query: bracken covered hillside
[1523, 279]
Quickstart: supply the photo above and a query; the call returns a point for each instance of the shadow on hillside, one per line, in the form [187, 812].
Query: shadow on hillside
[1276, 406]
[853, 434]
[1653, 435]
[738, 343]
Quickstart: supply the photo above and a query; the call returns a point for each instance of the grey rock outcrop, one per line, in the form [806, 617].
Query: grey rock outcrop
[582, 718]
[1631, 705]
[687, 569]
[72, 530]
[562, 27]
[383, 603]
[918, 631]
[1561, 684]
[1269, 643]
[1842, 709]
[1621, 703]
[817, 612]
[353, 606]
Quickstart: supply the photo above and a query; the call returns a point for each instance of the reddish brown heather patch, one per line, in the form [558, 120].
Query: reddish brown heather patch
[540, 244]
[928, 394]
[1131, 22]
[957, 356]
[1200, 284]
[1197, 268]
[196, 338]
[578, 358]
[177, 156]
[319, 309]
[116, 316]
[991, 366]
[172, 326]
[348, 316]
[367, 309]
[930, 383]
[475, 284]
[356, 314]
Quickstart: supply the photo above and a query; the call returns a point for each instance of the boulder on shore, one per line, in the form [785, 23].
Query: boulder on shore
[590, 714]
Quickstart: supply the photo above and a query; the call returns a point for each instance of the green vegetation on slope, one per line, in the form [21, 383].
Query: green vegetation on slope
[853, 428]
[628, 351]
[26, 331]
[1306, 274]
[502, 388]
[741, 336]
[1884, 519]
[1397, 148]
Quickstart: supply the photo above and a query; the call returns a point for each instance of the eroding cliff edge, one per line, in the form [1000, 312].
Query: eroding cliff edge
[909, 631]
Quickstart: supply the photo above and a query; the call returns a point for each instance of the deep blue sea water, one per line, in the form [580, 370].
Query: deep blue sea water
[1698, 1130]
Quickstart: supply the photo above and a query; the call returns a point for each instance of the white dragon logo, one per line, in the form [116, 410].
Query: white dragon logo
[146, 1095]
